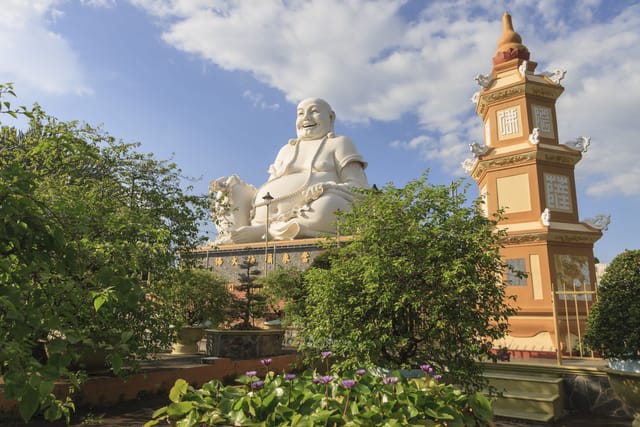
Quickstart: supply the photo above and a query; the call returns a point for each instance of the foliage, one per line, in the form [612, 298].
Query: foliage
[247, 303]
[421, 280]
[285, 285]
[312, 399]
[86, 224]
[613, 326]
[198, 296]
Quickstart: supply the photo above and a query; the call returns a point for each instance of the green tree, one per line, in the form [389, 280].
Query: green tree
[421, 282]
[248, 303]
[87, 224]
[613, 326]
[198, 296]
[285, 293]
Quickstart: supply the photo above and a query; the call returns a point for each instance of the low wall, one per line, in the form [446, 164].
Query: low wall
[158, 377]
[224, 259]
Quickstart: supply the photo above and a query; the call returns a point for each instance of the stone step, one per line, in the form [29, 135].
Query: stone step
[527, 395]
[517, 415]
[533, 407]
[537, 384]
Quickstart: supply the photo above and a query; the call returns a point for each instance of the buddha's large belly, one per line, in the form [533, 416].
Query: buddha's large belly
[287, 192]
[291, 186]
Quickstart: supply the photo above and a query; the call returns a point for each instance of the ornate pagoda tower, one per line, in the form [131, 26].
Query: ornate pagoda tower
[522, 170]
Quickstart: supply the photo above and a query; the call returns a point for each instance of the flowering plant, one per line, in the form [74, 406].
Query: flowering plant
[313, 399]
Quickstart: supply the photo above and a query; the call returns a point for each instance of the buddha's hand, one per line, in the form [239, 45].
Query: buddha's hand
[315, 191]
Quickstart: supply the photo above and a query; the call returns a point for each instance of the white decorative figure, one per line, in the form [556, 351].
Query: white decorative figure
[475, 98]
[600, 221]
[478, 149]
[581, 143]
[534, 137]
[523, 69]
[483, 80]
[311, 178]
[556, 76]
[467, 165]
[546, 217]
[228, 191]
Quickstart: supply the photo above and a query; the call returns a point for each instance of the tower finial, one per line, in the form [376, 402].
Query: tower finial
[510, 43]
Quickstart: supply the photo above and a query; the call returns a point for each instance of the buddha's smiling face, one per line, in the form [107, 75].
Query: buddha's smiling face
[314, 119]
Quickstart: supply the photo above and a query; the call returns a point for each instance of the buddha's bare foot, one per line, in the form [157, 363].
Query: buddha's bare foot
[284, 230]
[248, 234]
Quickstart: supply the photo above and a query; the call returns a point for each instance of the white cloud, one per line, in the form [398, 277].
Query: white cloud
[99, 3]
[387, 60]
[407, 61]
[258, 101]
[34, 57]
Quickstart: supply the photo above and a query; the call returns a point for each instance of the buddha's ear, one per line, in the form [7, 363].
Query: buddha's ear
[332, 118]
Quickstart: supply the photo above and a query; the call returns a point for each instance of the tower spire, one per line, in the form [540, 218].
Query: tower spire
[510, 43]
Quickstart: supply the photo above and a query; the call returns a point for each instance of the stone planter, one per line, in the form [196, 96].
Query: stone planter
[188, 338]
[241, 344]
[626, 365]
[627, 387]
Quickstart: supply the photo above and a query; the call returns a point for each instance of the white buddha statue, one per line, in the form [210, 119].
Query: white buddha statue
[311, 178]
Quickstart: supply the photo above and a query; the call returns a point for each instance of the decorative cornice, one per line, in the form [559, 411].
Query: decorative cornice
[544, 90]
[499, 162]
[538, 154]
[491, 97]
[552, 236]
[488, 98]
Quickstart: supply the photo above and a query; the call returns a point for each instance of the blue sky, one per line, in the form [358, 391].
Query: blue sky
[214, 83]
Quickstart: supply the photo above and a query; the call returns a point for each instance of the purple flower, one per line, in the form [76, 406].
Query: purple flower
[316, 380]
[266, 362]
[326, 354]
[361, 372]
[251, 373]
[290, 377]
[257, 384]
[348, 383]
[426, 368]
[390, 380]
[437, 376]
[326, 379]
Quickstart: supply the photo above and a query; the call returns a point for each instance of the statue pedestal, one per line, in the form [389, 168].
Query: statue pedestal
[224, 259]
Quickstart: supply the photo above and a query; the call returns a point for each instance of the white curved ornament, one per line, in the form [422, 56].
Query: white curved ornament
[226, 192]
[467, 165]
[546, 217]
[581, 143]
[478, 149]
[534, 137]
[600, 221]
[556, 76]
[523, 69]
[483, 80]
[475, 98]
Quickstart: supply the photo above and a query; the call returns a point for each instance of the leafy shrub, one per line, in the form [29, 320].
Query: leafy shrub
[312, 399]
[87, 224]
[421, 280]
[613, 326]
[198, 296]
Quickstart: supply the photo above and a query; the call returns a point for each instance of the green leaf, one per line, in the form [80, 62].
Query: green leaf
[116, 362]
[29, 403]
[99, 301]
[178, 409]
[178, 390]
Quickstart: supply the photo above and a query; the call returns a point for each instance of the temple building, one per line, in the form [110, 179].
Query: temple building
[524, 171]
